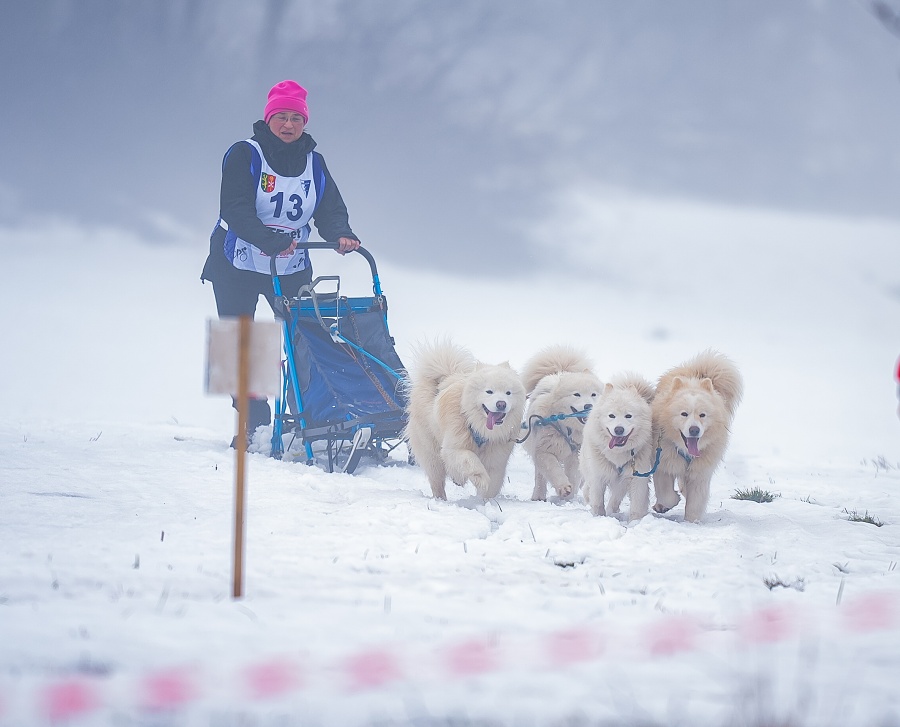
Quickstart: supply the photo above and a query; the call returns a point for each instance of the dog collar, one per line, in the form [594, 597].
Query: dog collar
[684, 455]
[477, 438]
[630, 462]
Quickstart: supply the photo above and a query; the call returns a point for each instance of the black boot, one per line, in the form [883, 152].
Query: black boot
[259, 414]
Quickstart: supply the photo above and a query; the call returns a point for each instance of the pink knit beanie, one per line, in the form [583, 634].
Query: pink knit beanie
[286, 96]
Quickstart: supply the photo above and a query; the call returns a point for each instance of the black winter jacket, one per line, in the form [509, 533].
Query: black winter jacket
[237, 199]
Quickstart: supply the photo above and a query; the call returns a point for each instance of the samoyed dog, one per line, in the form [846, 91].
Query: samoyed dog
[619, 447]
[693, 410]
[559, 381]
[464, 417]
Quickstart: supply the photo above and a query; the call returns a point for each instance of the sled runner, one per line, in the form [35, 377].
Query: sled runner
[341, 395]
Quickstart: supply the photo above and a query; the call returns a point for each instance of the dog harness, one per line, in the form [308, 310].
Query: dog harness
[684, 455]
[477, 438]
[566, 435]
[634, 472]
[655, 464]
[535, 420]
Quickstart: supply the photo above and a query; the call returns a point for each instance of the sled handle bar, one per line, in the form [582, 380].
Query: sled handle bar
[376, 281]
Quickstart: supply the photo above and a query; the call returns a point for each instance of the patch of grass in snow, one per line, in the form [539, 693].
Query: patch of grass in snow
[772, 582]
[855, 517]
[754, 493]
[881, 464]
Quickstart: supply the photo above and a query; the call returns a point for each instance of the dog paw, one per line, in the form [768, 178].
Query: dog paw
[565, 491]
[666, 503]
[482, 485]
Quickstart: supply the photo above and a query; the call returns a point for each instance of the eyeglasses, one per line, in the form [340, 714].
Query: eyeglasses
[284, 118]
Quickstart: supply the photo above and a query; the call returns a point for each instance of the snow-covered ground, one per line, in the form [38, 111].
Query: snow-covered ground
[369, 603]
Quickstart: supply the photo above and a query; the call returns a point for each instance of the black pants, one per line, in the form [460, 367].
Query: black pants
[237, 293]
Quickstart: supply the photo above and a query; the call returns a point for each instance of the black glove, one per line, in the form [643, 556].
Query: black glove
[277, 242]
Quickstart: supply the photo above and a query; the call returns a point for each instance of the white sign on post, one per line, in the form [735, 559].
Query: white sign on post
[243, 359]
[264, 357]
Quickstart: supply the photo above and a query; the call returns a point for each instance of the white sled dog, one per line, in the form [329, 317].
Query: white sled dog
[693, 410]
[559, 381]
[619, 441]
[463, 418]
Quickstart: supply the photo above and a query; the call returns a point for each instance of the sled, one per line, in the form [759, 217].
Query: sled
[342, 394]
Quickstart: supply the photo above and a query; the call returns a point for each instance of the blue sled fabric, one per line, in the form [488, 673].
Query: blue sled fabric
[338, 383]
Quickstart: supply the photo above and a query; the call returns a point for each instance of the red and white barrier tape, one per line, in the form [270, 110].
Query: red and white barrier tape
[280, 677]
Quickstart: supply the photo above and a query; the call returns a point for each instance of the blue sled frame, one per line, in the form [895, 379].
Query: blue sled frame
[342, 381]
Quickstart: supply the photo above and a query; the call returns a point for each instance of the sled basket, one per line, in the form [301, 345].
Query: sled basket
[342, 380]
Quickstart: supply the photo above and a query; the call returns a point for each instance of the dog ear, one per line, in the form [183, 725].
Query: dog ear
[708, 385]
[505, 364]
[607, 388]
[677, 383]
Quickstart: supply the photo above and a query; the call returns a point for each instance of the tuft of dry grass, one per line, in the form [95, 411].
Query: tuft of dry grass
[772, 582]
[881, 464]
[855, 517]
[755, 494]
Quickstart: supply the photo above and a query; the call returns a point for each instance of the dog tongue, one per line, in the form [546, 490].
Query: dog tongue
[691, 444]
[494, 417]
[615, 441]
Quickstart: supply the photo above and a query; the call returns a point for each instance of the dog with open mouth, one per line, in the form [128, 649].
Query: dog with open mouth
[561, 391]
[619, 447]
[463, 418]
[693, 410]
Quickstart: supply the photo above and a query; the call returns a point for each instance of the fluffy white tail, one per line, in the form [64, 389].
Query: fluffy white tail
[553, 360]
[435, 361]
[635, 381]
[722, 371]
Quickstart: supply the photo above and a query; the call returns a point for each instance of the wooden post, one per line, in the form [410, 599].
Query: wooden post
[243, 360]
[241, 452]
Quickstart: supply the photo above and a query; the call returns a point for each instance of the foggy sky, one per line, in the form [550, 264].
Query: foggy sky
[450, 127]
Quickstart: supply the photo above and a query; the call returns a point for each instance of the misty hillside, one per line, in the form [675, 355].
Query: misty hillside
[450, 127]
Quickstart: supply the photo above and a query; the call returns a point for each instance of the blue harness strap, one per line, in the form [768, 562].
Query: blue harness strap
[566, 436]
[655, 465]
[477, 438]
[535, 420]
